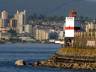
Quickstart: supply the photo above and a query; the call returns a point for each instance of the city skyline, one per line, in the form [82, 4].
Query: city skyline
[50, 7]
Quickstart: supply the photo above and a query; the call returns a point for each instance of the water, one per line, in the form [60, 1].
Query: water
[9, 53]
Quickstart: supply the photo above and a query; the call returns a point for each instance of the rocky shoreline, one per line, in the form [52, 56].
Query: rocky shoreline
[66, 64]
[67, 58]
[73, 58]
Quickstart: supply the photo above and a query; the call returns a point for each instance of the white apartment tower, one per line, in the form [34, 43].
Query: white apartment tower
[4, 14]
[4, 17]
[21, 21]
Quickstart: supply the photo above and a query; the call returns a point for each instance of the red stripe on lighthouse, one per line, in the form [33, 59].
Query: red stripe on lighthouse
[69, 28]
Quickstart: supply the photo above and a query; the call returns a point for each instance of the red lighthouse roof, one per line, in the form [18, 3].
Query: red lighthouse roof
[72, 13]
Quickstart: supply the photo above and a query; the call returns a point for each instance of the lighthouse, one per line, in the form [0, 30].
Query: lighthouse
[70, 27]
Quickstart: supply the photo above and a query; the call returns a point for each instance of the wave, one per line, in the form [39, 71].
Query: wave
[27, 52]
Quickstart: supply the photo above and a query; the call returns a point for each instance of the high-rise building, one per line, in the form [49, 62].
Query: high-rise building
[4, 14]
[21, 20]
[4, 17]
[16, 15]
[13, 23]
[1, 23]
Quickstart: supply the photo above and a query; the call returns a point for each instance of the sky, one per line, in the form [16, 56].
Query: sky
[51, 7]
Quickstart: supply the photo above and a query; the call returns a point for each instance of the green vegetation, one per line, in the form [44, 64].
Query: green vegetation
[82, 52]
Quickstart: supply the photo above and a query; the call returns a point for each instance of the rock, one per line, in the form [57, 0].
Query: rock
[42, 62]
[20, 63]
[38, 63]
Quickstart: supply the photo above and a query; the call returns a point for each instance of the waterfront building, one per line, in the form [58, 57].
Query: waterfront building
[41, 34]
[53, 35]
[2, 28]
[61, 35]
[28, 28]
[4, 36]
[90, 26]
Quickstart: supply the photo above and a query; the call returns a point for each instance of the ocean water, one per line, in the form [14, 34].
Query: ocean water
[30, 52]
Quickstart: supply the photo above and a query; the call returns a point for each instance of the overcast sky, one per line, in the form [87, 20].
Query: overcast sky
[51, 7]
